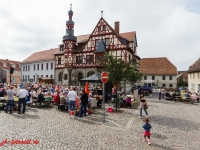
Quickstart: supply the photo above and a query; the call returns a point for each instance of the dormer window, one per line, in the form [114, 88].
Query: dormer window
[61, 48]
[4, 64]
[13, 65]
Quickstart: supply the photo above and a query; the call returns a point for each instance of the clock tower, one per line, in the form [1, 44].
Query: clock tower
[69, 41]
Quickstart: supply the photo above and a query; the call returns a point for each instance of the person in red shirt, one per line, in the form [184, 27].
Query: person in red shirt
[56, 97]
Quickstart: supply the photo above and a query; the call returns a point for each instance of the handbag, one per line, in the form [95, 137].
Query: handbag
[145, 106]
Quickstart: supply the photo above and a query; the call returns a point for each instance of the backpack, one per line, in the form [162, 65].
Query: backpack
[29, 95]
[27, 98]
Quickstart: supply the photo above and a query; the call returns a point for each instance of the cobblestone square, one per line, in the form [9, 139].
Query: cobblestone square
[175, 126]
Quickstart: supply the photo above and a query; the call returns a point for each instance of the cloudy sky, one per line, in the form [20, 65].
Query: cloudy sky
[164, 28]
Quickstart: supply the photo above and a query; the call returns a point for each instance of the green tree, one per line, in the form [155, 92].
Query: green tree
[119, 70]
[182, 82]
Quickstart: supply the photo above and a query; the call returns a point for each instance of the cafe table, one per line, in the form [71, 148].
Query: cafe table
[3, 100]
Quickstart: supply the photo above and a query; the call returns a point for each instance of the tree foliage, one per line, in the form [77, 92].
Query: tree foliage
[182, 82]
[119, 70]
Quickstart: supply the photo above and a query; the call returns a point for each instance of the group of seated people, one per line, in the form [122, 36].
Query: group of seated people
[60, 98]
[184, 94]
[187, 94]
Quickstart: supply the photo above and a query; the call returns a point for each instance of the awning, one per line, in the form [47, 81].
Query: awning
[95, 78]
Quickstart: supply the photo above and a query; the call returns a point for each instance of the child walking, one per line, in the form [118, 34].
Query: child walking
[147, 128]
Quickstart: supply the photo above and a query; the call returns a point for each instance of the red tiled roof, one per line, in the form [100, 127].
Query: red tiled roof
[157, 66]
[127, 35]
[8, 63]
[195, 67]
[42, 55]
[82, 38]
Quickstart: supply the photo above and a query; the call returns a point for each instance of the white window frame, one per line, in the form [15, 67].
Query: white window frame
[4, 64]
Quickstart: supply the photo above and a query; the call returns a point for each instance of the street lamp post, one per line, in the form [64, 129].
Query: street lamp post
[36, 77]
[157, 82]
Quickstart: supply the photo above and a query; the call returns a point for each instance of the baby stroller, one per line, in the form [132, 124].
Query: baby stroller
[168, 96]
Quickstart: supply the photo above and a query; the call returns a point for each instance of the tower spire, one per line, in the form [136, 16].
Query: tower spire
[102, 13]
[70, 27]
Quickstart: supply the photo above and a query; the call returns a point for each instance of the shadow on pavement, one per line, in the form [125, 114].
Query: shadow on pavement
[164, 102]
[161, 146]
[26, 116]
[182, 124]
[89, 120]
[159, 136]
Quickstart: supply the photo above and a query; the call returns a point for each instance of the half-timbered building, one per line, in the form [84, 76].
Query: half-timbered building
[78, 56]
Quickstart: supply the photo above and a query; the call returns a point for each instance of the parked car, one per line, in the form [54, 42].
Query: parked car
[146, 90]
[134, 87]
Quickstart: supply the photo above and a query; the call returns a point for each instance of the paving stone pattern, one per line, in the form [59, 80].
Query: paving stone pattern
[175, 126]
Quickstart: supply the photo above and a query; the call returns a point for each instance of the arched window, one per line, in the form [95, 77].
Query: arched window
[80, 76]
[90, 73]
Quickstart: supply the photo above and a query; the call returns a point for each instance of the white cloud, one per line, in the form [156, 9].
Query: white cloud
[164, 28]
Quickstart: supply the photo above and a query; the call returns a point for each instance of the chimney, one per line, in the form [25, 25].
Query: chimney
[117, 27]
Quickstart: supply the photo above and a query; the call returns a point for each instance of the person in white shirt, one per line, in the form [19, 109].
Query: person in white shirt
[72, 95]
[16, 89]
[22, 94]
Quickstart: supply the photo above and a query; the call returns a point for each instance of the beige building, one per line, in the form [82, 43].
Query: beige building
[5, 65]
[194, 77]
[158, 72]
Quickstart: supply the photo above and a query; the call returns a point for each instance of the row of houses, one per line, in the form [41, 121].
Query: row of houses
[77, 56]
[157, 71]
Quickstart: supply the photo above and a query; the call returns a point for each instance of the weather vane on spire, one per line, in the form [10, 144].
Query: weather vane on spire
[71, 6]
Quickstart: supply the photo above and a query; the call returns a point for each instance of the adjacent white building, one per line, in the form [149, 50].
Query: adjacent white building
[40, 65]
[194, 77]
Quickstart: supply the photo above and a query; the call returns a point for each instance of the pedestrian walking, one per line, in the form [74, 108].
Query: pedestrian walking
[72, 95]
[147, 127]
[22, 94]
[143, 105]
[84, 103]
[10, 102]
[159, 94]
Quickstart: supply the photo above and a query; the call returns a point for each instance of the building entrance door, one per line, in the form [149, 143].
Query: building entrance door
[149, 84]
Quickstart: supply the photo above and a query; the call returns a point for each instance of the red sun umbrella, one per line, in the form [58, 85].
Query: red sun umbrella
[87, 88]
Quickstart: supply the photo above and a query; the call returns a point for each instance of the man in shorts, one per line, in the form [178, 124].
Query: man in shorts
[10, 102]
[72, 95]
